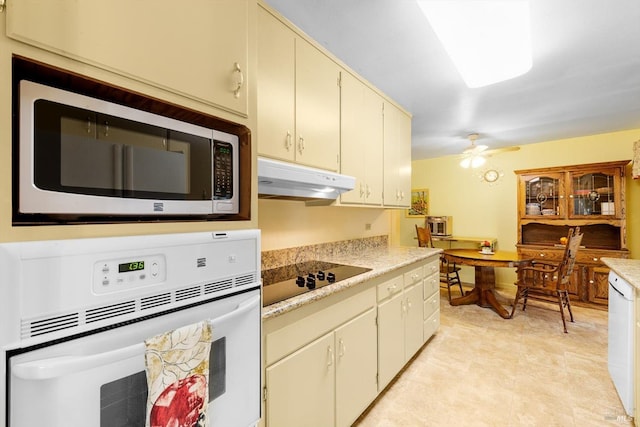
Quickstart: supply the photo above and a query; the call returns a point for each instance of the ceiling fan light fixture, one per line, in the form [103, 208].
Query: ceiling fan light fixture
[489, 41]
[472, 162]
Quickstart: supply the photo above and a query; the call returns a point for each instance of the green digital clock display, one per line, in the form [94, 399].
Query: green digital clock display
[130, 266]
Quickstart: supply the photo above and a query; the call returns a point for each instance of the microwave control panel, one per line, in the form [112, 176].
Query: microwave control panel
[222, 170]
[127, 273]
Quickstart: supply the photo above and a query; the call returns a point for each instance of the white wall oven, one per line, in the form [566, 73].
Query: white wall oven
[75, 315]
[87, 150]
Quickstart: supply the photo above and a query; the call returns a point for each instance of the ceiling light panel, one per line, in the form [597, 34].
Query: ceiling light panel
[489, 41]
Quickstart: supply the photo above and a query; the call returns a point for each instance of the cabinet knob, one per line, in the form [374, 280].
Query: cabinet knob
[595, 259]
[391, 288]
[541, 255]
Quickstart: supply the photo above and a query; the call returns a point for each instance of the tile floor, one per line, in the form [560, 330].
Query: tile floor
[482, 370]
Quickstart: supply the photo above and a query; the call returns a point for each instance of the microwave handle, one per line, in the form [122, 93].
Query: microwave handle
[64, 365]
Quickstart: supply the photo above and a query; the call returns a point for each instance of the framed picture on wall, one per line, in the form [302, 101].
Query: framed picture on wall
[419, 203]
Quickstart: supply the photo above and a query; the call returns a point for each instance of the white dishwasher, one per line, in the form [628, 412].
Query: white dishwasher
[621, 323]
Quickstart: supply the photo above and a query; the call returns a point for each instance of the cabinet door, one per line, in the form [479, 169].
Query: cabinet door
[593, 193]
[542, 195]
[598, 285]
[413, 327]
[200, 51]
[356, 367]
[300, 387]
[390, 339]
[317, 103]
[361, 140]
[276, 88]
[397, 157]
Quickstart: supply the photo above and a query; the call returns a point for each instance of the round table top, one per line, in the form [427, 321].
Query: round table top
[476, 257]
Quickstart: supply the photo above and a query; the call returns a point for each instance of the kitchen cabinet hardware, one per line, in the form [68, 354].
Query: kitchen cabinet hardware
[329, 356]
[239, 79]
[288, 142]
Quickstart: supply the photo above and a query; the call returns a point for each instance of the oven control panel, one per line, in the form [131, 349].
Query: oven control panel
[126, 273]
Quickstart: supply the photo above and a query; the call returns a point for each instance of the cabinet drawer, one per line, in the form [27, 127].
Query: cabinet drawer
[431, 285]
[389, 288]
[584, 256]
[543, 254]
[431, 325]
[413, 276]
[432, 267]
[431, 305]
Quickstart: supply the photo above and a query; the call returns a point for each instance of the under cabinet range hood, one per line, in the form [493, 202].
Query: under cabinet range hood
[282, 180]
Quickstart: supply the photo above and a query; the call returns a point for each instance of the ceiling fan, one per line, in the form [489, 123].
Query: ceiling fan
[475, 156]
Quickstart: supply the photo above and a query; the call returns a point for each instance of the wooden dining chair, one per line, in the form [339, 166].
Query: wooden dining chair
[449, 272]
[542, 279]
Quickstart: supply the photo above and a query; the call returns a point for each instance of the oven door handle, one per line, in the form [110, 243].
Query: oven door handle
[66, 365]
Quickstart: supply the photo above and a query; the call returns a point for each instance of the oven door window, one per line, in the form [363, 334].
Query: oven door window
[123, 401]
[84, 152]
[98, 381]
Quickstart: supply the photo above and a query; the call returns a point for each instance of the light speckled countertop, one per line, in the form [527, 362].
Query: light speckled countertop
[380, 260]
[628, 269]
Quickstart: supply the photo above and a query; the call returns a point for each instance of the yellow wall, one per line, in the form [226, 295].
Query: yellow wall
[479, 209]
[287, 224]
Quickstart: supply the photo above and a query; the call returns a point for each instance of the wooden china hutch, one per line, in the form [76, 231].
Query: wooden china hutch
[592, 196]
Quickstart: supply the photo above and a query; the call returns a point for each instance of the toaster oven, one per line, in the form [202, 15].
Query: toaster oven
[440, 225]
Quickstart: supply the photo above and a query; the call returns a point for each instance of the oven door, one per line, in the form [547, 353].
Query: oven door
[100, 379]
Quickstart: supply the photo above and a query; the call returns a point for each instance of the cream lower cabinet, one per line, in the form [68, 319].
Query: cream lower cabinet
[300, 388]
[200, 51]
[331, 380]
[431, 295]
[327, 361]
[400, 323]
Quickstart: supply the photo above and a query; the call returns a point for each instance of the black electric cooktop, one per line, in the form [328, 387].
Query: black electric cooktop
[288, 281]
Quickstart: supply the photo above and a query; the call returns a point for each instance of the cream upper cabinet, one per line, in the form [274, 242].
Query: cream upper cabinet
[397, 157]
[276, 88]
[199, 50]
[361, 129]
[298, 97]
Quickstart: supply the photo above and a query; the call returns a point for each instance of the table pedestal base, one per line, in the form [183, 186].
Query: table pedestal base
[482, 294]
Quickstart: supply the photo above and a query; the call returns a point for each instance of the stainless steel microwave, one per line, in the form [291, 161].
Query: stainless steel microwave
[80, 155]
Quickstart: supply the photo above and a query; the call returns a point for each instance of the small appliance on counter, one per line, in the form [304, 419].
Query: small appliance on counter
[440, 225]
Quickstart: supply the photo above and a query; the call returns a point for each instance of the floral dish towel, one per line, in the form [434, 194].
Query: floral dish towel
[177, 366]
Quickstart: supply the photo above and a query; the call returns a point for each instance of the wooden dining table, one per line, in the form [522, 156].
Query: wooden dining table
[485, 279]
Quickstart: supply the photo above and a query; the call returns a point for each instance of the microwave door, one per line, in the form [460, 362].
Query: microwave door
[149, 170]
[90, 164]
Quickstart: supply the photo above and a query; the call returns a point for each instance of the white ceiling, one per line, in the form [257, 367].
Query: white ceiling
[585, 77]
